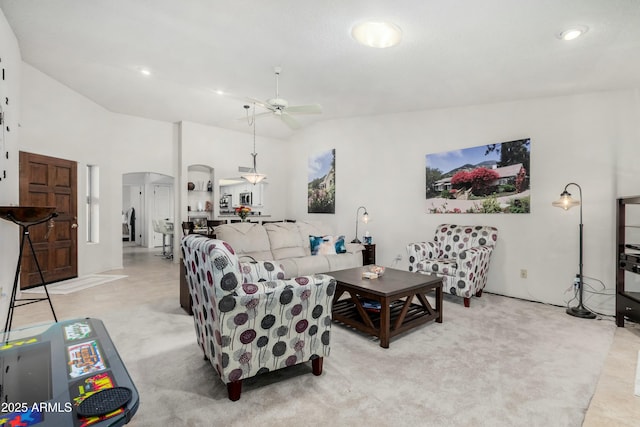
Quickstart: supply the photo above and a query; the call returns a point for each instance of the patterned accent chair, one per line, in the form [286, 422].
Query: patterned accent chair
[248, 320]
[459, 254]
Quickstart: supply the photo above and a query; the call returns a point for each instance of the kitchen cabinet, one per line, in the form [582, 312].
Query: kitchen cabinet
[238, 190]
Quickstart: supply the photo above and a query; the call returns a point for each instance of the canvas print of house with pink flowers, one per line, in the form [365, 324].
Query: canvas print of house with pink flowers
[491, 178]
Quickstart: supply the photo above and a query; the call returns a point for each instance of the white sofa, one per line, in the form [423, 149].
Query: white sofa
[289, 244]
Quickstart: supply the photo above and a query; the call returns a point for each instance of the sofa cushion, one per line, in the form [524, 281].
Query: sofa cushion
[285, 240]
[344, 261]
[438, 266]
[246, 238]
[306, 265]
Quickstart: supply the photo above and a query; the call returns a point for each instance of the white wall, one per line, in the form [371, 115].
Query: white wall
[9, 233]
[380, 163]
[59, 122]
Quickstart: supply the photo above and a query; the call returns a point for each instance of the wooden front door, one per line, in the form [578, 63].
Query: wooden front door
[48, 181]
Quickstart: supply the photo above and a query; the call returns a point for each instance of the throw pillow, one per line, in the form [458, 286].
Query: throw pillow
[340, 247]
[324, 245]
[315, 242]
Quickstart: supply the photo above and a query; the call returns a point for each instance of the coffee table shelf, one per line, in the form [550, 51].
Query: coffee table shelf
[346, 311]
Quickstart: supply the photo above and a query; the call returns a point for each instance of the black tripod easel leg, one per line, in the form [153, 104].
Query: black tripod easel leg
[44, 284]
[14, 291]
[12, 303]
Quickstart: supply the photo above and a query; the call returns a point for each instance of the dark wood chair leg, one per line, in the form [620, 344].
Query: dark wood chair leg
[479, 293]
[467, 302]
[234, 388]
[317, 366]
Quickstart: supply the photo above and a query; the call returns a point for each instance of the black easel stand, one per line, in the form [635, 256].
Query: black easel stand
[24, 301]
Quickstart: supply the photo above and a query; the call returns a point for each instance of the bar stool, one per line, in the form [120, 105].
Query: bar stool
[188, 227]
[166, 228]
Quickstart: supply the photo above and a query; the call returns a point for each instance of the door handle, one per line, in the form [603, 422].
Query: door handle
[74, 225]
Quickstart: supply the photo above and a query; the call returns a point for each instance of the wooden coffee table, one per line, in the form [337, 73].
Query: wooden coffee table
[396, 292]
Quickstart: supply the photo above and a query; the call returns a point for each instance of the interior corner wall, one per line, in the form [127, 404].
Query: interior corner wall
[10, 61]
[380, 163]
[57, 121]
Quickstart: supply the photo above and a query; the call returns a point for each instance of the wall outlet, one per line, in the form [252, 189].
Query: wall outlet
[523, 273]
[398, 258]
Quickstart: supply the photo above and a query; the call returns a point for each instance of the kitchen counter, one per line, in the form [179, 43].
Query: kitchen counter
[253, 218]
[248, 216]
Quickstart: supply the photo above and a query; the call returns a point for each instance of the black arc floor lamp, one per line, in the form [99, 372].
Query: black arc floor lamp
[365, 219]
[566, 202]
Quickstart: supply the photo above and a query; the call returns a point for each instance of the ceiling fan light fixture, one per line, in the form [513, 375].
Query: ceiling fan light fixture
[378, 34]
[253, 177]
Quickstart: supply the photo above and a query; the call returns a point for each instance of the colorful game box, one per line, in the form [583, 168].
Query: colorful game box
[77, 331]
[84, 388]
[84, 358]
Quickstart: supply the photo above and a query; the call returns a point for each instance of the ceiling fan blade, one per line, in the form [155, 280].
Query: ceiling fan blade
[305, 109]
[289, 121]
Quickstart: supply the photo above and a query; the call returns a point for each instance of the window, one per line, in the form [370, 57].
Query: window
[93, 203]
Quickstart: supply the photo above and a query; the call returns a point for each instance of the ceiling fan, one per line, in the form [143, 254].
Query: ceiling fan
[280, 108]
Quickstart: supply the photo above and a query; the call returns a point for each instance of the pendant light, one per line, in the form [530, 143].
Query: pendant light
[253, 176]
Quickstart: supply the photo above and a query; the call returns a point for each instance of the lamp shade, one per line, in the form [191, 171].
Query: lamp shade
[565, 201]
[365, 219]
[253, 177]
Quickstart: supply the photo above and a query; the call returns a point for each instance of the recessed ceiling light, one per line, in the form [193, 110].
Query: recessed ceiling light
[573, 33]
[145, 72]
[378, 34]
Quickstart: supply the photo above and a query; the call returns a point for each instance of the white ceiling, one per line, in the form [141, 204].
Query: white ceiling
[453, 53]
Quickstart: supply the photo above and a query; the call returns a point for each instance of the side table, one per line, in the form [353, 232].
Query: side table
[369, 254]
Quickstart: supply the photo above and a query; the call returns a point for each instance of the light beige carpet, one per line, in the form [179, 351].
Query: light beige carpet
[501, 362]
[73, 285]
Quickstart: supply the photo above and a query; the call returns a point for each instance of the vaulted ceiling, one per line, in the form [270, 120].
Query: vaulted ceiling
[453, 53]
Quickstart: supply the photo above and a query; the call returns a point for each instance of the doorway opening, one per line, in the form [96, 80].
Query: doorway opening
[146, 196]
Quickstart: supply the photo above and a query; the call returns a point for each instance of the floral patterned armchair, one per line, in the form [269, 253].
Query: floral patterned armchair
[248, 320]
[459, 254]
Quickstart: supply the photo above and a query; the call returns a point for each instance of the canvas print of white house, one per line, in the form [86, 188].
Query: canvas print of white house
[322, 182]
[491, 178]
